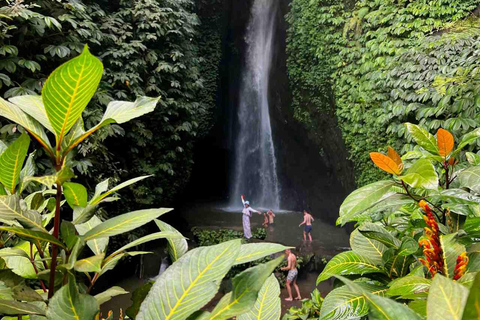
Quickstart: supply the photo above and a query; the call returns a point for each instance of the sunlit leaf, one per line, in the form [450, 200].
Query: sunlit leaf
[69, 89]
[364, 198]
[385, 163]
[423, 138]
[347, 263]
[124, 223]
[421, 174]
[445, 142]
[189, 283]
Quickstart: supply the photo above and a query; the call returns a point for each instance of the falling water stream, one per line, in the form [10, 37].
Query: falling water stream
[255, 172]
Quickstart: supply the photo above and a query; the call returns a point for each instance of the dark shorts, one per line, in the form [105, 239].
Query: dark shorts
[308, 229]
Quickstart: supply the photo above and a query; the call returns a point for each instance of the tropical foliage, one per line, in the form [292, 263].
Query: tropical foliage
[378, 64]
[148, 48]
[56, 261]
[414, 250]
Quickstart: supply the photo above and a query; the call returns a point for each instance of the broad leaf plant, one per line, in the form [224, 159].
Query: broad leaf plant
[415, 248]
[46, 270]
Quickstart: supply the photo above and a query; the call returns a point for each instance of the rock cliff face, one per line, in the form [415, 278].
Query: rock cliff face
[313, 169]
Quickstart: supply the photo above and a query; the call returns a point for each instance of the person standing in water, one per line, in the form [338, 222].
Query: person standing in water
[268, 218]
[307, 221]
[247, 213]
[292, 275]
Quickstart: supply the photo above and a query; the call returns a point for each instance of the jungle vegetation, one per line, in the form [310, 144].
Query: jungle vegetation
[378, 64]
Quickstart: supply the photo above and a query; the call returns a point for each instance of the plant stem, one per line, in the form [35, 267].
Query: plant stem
[56, 231]
[408, 192]
[92, 283]
[447, 179]
[40, 252]
[32, 260]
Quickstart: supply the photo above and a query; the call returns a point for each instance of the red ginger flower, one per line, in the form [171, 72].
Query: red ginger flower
[432, 248]
[461, 267]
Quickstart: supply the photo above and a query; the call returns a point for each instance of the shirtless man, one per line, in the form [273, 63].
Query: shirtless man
[307, 221]
[292, 275]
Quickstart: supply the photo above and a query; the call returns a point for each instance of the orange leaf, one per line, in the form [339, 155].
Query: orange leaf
[385, 163]
[392, 154]
[445, 142]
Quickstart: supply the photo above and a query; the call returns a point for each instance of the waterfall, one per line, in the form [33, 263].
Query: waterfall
[255, 173]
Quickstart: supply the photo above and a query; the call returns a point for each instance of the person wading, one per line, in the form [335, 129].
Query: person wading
[292, 275]
[247, 213]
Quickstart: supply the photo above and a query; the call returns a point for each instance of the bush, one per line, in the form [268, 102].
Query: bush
[417, 234]
[208, 237]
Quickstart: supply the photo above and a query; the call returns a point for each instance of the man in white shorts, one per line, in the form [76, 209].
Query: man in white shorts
[292, 275]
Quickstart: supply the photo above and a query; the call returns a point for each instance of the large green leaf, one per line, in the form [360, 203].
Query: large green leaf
[472, 306]
[189, 283]
[451, 250]
[446, 299]
[69, 89]
[21, 266]
[254, 251]
[343, 303]
[69, 304]
[33, 106]
[246, 286]
[366, 247]
[171, 235]
[75, 193]
[363, 199]
[346, 263]
[14, 113]
[33, 235]
[98, 246]
[13, 308]
[381, 308]
[423, 138]
[124, 223]
[386, 309]
[11, 162]
[267, 306]
[117, 112]
[390, 204]
[10, 209]
[380, 234]
[470, 178]
[409, 287]
[421, 174]
[176, 247]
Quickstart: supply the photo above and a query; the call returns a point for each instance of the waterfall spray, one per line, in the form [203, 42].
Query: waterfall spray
[255, 173]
